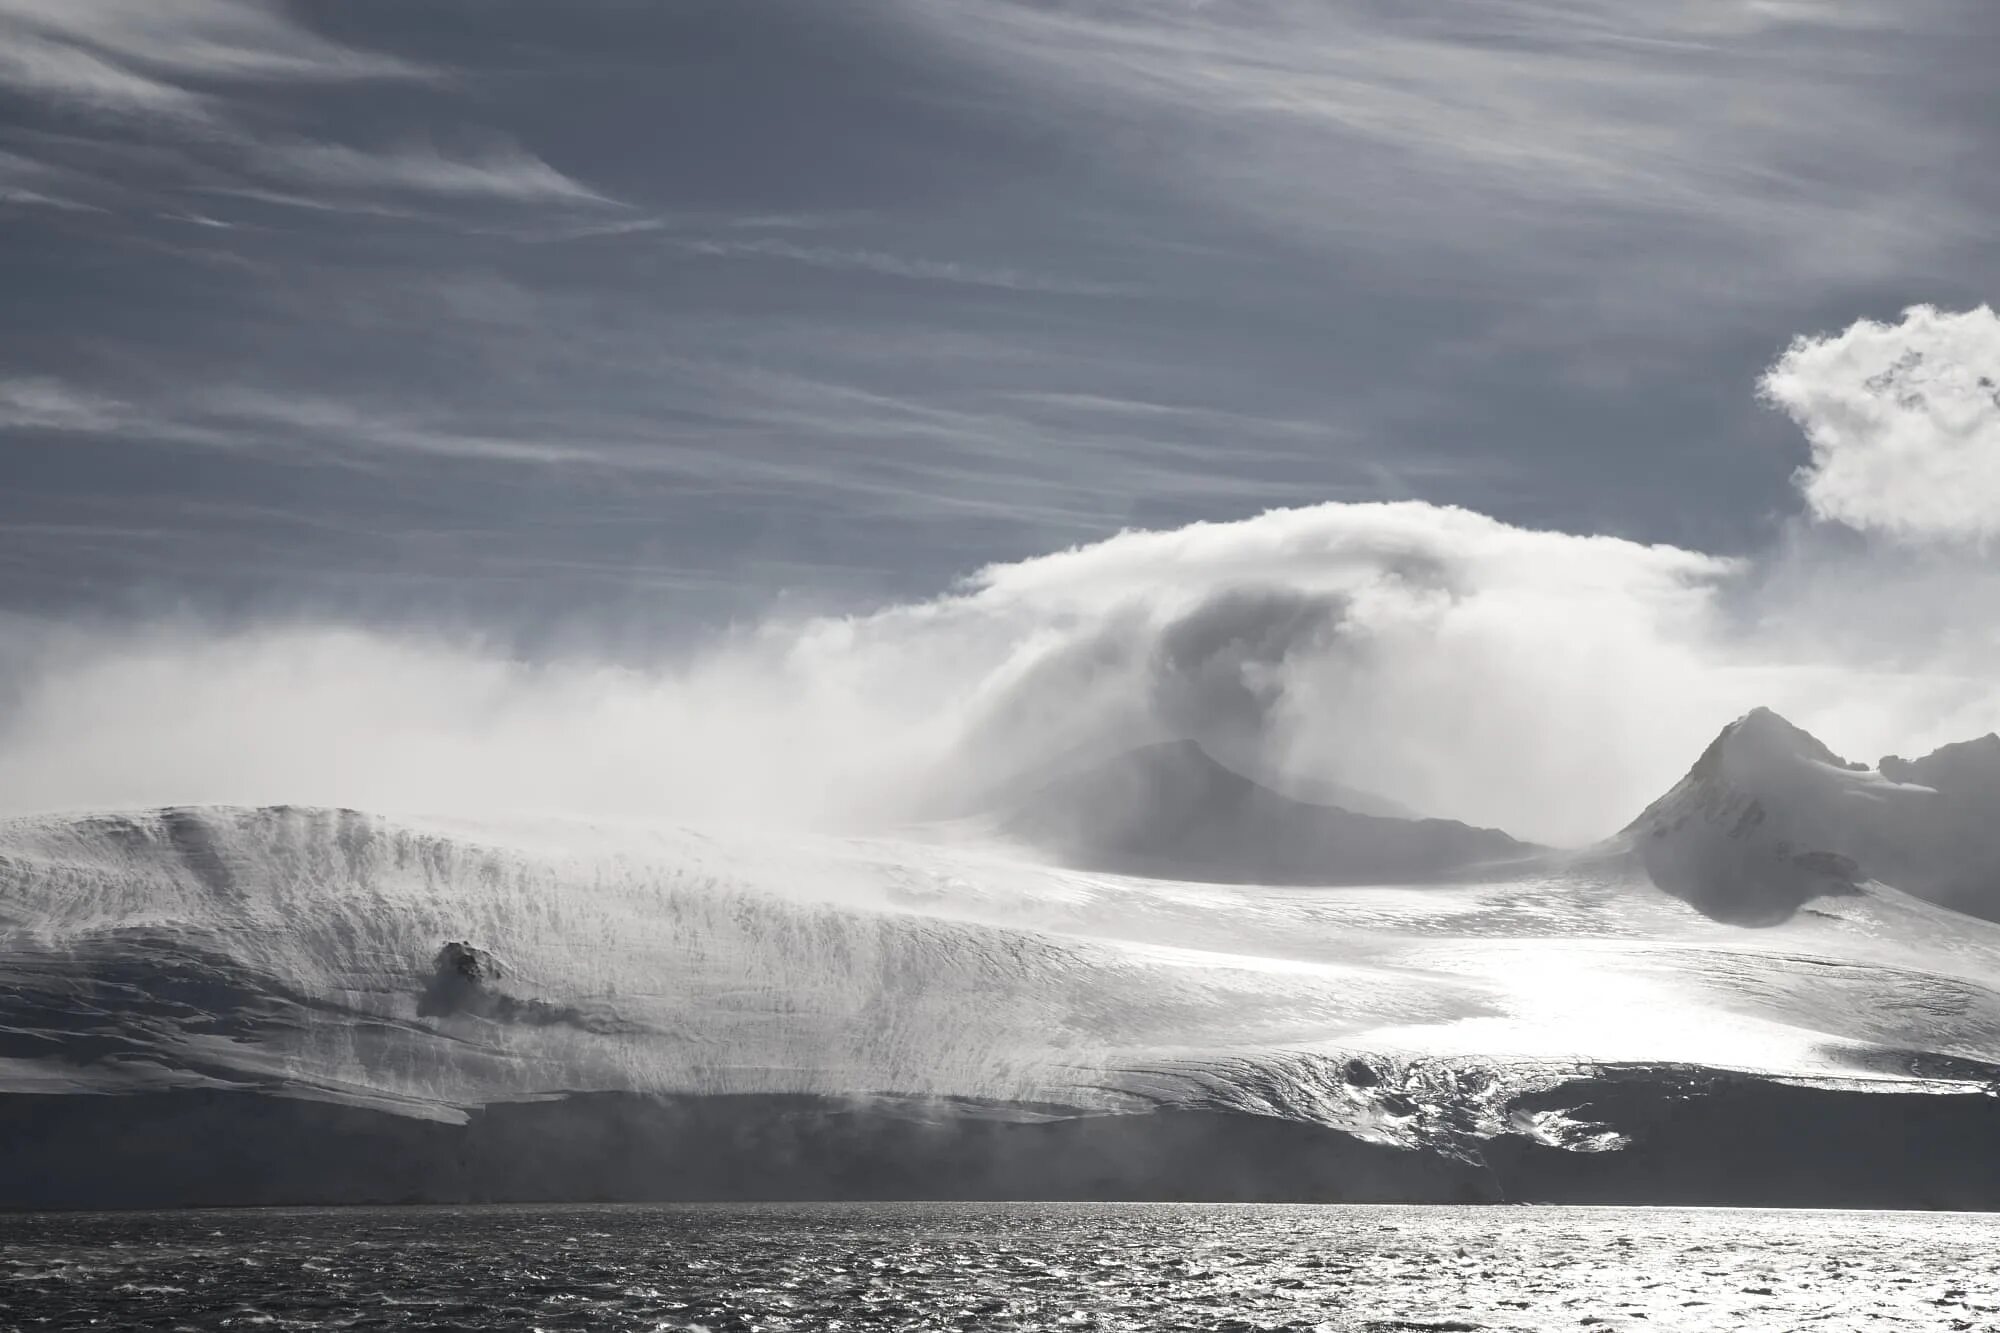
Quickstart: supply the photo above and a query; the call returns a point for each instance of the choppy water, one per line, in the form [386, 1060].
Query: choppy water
[1003, 1266]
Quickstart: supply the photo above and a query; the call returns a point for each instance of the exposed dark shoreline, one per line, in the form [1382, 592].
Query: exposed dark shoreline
[1696, 1139]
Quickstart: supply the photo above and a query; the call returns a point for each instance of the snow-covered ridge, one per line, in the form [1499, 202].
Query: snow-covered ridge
[427, 966]
[1769, 818]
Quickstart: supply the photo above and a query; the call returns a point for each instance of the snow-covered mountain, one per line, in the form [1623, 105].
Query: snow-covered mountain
[1027, 970]
[1769, 818]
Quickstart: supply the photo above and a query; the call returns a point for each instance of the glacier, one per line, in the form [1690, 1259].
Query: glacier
[1782, 923]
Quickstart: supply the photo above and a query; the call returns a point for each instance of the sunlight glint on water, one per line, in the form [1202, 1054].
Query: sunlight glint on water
[934, 1266]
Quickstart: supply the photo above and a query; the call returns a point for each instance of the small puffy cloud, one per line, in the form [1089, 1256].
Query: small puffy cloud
[1904, 424]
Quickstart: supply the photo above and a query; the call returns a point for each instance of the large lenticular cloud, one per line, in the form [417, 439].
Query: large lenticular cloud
[1543, 682]
[1435, 656]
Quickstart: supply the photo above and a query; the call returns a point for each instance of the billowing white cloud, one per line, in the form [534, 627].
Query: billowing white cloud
[1544, 682]
[1904, 423]
[1434, 655]
[1547, 683]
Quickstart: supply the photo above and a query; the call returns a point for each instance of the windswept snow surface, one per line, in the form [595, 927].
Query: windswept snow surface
[303, 952]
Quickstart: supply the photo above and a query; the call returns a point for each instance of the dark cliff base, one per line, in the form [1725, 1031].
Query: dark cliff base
[1732, 1140]
[1697, 1140]
[230, 1148]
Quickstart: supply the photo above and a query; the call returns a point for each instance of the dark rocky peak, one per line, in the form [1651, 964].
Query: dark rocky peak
[1969, 767]
[1171, 810]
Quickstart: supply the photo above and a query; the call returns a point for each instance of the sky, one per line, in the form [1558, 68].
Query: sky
[1469, 374]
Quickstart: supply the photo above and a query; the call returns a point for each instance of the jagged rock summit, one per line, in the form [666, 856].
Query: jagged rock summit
[1769, 818]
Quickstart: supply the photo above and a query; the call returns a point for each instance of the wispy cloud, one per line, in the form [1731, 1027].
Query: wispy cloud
[24, 181]
[20, 196]
[781, 436]
[327, 426]
[42, 406]
[179, 83]
[42, 68]
[216, 40]
[333, 430]
[896, 266]
[1493, 127]
[498, 171]
[293, 199]
[36, 404]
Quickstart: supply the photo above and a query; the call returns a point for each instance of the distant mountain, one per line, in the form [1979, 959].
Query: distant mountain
[1171, 810]
[1770, 818]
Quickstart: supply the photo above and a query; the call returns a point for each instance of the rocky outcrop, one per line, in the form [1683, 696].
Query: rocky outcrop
[465, 982]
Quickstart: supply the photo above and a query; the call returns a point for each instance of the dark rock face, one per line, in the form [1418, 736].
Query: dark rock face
[1950, 851]
[1705, 1138]
[466, 982]
[195, 1148]
[1695, 1137]
[460, 959]
[1966, 766]
[1172, 810]
[459, 975]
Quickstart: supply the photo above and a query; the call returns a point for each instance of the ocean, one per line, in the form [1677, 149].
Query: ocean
[1002, 1266]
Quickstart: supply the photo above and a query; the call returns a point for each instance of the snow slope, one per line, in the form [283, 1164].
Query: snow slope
[1769, 818]
[304, 952]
